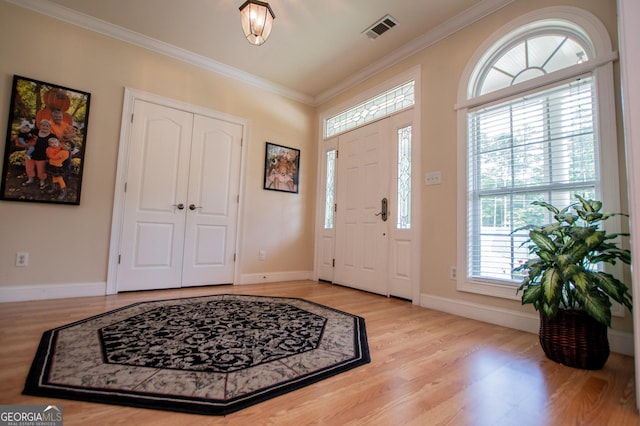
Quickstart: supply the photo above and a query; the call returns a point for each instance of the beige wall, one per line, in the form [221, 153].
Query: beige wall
[442, 66]
[70, 244]
[282, 224]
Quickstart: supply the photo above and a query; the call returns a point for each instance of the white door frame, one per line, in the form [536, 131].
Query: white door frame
[629, 64]
[130, 96]
[321, 235]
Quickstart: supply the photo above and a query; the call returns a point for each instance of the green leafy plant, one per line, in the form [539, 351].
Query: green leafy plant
[563, 271]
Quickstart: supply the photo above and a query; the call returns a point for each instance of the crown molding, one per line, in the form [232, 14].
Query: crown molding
[99, 26]
[458, 22]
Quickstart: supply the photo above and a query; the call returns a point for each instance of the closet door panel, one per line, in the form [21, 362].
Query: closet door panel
[214, 182]
[157, 178]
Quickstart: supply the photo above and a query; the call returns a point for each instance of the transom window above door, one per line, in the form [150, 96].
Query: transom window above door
[380, 106]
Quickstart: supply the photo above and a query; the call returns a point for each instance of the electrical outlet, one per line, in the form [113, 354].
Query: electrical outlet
[22, 259]
[433, 178]
[262, 255]
[453, 273]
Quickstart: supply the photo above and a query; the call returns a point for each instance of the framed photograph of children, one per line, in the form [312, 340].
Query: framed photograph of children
[281, 168]
[45, 143]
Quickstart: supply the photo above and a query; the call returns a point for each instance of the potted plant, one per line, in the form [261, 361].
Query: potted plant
[565, 282]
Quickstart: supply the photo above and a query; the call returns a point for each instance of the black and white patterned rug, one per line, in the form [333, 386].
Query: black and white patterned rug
[207, 355]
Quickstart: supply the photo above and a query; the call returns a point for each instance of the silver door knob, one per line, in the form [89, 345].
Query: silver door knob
[179, 206]
[193, 207]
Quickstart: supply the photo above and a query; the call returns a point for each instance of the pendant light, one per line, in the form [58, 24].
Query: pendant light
[257, 19]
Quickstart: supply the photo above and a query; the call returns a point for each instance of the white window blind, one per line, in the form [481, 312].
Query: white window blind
[542, 146]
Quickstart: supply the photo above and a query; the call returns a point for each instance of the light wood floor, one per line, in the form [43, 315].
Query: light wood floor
[428, 368]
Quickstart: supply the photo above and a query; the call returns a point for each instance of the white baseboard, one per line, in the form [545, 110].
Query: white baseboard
[270, 277]
[619, 342]
[63, 291]
[51, 291]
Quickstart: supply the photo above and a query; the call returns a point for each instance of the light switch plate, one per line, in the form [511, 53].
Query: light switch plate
[433, 178]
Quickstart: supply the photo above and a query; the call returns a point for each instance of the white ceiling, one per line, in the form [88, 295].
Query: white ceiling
[316, 48]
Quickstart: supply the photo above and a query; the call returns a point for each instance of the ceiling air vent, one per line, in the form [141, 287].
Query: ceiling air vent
[380, 27]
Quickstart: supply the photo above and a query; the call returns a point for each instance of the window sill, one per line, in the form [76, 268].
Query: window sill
[508, 291]
[489, 288]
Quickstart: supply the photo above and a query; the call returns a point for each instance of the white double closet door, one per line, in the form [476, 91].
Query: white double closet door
[181, 201]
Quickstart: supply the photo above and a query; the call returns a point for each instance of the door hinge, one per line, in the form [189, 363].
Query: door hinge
[132, 118]
[234, 257]
[125, 187]
[333, 263]
[337, 154]
[119, 256]
[335, 207]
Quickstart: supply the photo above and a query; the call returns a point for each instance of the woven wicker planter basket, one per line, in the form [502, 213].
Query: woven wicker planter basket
[575, 339]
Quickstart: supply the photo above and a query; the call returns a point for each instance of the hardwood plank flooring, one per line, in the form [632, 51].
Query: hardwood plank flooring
[428, 368]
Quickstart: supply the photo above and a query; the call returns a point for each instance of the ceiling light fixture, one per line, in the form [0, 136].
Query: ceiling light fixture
[257, 19]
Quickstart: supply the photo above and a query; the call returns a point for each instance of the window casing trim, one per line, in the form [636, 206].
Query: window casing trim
[547, 80]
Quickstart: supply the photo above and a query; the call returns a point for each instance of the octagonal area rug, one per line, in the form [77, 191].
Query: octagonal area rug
[207, 355]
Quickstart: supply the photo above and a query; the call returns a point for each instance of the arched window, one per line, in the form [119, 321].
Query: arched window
[531, 56]
[534, 109]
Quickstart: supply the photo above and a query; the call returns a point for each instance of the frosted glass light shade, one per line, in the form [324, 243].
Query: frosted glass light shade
[257, 20]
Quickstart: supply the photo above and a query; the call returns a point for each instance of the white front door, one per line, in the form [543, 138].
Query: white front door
[180, 205]
[361, 255]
